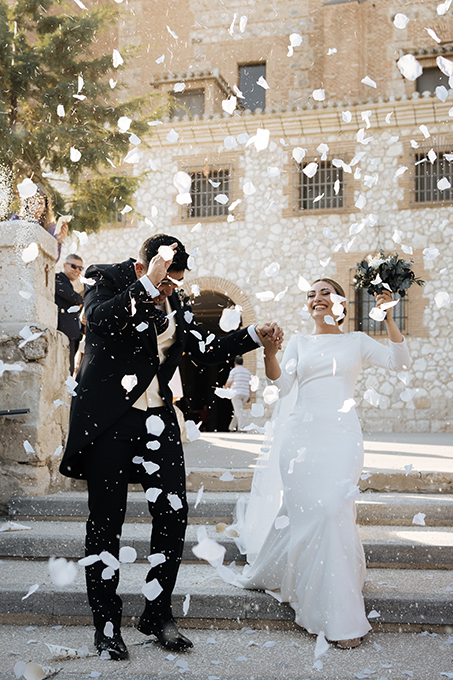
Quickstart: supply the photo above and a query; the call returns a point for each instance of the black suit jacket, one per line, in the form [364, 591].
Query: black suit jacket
[66, 297]
[114, 306]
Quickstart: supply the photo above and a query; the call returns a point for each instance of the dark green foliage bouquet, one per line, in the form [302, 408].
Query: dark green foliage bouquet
[398, 275]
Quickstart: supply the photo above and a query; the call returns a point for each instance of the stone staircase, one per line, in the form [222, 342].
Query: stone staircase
[409, 579]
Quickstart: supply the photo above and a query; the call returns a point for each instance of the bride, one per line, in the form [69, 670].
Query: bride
[299, 530]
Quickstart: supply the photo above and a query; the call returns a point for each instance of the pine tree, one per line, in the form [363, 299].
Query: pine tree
[55, 95]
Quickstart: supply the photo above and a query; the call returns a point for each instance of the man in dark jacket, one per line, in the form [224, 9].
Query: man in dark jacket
[69, 303]
[123, 426]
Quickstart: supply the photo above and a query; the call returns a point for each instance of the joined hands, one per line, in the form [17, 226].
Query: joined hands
[271, 335]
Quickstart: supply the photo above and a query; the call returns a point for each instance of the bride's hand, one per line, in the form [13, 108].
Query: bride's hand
[380, 298]
[271, 335]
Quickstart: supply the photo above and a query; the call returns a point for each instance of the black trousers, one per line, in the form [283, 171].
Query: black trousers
[108, 468]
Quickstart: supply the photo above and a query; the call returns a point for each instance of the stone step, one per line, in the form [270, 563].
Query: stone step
[403, 546]
[401, 597]
[372, 508]
[380, 481]
[240, 651]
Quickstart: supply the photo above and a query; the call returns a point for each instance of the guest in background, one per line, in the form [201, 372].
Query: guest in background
[69, 303]
[239, 381]
[38, 208]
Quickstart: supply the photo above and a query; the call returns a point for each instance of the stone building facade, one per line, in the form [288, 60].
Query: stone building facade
[339, 101]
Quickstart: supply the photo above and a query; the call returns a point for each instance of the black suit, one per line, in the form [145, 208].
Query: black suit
[69, 324]
[106, 433]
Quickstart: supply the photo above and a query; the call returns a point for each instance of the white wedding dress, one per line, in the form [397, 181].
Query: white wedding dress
[303, 544]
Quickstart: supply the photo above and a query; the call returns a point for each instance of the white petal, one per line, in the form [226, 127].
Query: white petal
[361, 202]
[299, 154]
[311, 169]
[161, 59]
[442, 299]
[74, 154]
[229, 105]
[372, 397]
[61, 571]
[31, 590]
[128, 382]
[445, 65]
[193, 433]
[303, 284]
[419, 519]
[152, 494]
[377, 314]
[400, 21]
[409, 67]
[265, 296]
[347, 406]
[230, 142]
[262, 82]
[425, 132]
[367, 81]
[117, 59]
[226, 477]
[155, 425]
[319, 95]
[174, 501]
[172, 33]
[186, 605]
[443, 184]
[61, 111]
[281, 522]
[270, 394]
[242, 23]
[156, 559]
[321, 645]
[373, 614]
[127, 554]
[346, 116]
[230, 319]
[257, 410]
[248, 189]
[442, 93]
[149, 466]
[152, 590]
[172, 136]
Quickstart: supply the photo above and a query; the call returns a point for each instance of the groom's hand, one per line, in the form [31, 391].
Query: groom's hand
[158, 267]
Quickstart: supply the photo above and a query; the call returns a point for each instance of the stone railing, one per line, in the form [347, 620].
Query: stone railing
[27, 301]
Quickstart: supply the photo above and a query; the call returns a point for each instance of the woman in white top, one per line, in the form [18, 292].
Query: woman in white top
[308, 551]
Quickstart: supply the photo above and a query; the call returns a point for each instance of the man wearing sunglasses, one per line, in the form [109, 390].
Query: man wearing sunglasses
[67, 299]
[123, 426]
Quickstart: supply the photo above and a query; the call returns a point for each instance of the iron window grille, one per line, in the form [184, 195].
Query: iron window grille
[208, 183]
[318, 192]
[428, 174]
[360, 305]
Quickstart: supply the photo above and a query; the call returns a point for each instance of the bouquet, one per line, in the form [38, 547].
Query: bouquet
[385, 271]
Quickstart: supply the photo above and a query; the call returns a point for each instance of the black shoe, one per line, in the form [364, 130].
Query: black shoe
[113, 645]
[166, 632]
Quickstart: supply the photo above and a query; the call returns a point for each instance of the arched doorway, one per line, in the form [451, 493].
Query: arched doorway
[199, 382]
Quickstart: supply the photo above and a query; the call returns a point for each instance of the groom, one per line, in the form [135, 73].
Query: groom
[123, 427]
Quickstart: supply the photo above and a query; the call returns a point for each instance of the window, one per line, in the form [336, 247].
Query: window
[254, 94]
[189, 103]
[324, 191]
[208, 184]
[359, 308]
[431, 78]
[428, 174]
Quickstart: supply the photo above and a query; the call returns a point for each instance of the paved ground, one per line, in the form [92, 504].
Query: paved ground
[234, 654]
[425, 451]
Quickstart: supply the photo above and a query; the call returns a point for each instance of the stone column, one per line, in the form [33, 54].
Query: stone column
[27, 301]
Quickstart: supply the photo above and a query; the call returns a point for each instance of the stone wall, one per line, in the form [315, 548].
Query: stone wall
[267, 229]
